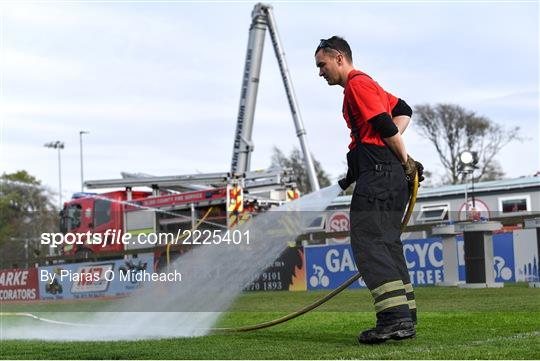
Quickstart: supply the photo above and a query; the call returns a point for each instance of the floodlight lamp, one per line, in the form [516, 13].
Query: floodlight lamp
[55, 145]
[466, 157]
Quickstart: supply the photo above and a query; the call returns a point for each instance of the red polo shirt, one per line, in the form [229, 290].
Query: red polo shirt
[364, 99]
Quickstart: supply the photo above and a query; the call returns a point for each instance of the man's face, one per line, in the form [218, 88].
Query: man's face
[329, 66]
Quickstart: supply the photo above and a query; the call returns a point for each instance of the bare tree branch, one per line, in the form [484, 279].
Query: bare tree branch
[452, 129]
[296, 162]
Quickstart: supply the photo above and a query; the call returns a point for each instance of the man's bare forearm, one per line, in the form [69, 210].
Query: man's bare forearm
[396, 144]
[401, 122]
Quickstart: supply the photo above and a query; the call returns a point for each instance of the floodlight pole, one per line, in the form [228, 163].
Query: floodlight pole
[59, 180]
[466, 196]
[59, 146]
[467, 164]
[81, 148]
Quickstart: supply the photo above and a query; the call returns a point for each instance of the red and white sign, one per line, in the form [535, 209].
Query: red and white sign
[476, 212]
[19, 284]
[92, 278]
[338, 222]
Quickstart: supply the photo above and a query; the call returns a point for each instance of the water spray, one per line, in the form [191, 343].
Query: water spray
[228, 297]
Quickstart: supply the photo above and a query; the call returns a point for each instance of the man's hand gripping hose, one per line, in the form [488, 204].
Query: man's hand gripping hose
[412, 169]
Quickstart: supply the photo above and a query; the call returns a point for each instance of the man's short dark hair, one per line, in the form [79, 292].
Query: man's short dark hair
[335, 43]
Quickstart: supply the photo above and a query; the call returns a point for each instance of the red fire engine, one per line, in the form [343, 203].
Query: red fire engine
[224, 202]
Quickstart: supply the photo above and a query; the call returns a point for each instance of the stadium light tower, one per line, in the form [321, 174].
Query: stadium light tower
[58, 145]
[467, 165]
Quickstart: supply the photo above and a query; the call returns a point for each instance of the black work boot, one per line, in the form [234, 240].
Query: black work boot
[399, 330]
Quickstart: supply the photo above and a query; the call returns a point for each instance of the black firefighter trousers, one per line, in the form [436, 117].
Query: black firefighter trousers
[377, 208]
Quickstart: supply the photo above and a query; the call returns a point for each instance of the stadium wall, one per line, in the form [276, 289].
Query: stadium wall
[317, 267]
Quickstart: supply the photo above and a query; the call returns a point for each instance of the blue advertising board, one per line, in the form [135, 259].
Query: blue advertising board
[330, 265]
[424, 260]
[503, 257]
[93, 279]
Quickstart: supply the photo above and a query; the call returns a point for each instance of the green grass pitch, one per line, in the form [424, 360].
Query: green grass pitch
[453, 324]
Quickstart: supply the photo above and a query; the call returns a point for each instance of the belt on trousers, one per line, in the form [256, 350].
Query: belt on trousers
[380, 167]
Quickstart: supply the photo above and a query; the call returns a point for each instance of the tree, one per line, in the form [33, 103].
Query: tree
[296, 162]
[26, 210]
[452, 129]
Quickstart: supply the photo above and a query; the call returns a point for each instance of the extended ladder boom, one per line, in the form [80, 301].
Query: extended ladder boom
[262, 17]
[243, 145]
[252, 180]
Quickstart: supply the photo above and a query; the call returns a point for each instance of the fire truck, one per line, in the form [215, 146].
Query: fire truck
[170, 203]
[224, 202]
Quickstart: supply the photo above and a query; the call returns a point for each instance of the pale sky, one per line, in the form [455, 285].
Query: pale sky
[157, 85]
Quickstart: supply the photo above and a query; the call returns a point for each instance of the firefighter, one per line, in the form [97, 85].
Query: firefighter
[378, 163]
